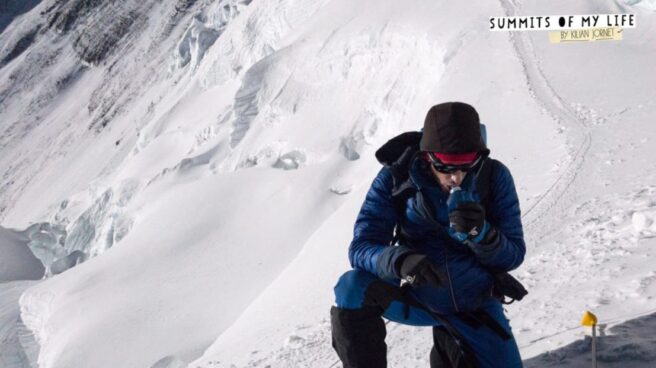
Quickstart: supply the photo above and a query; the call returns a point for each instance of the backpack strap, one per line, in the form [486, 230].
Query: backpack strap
[397, 155]
[400, 199]
[479, 317]
[484, 176]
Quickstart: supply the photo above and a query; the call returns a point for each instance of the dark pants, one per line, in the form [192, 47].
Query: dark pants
[359, 330]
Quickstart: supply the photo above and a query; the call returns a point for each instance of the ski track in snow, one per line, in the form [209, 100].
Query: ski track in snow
[578, 132]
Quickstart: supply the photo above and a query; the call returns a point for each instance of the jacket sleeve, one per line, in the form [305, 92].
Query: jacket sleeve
[370, 249]
[507, 251]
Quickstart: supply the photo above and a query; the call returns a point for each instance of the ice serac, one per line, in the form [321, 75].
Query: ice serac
[77, 233]
[206, 26]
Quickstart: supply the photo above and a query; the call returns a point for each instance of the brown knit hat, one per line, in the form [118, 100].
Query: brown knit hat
[452, 127]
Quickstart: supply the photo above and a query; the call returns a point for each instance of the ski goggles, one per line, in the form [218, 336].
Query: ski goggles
[451, 168]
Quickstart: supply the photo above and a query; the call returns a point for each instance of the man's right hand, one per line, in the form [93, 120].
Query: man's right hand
[418, 269]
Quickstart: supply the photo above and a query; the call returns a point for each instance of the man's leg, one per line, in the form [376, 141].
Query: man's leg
[451, 352]
[357, 325]
[489, 347]
[359, 331]
[359, 337]
[459, 344]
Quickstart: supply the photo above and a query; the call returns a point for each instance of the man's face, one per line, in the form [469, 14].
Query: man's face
[448, 181]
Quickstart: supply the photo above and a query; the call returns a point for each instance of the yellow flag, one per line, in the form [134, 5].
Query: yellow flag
[589, 319]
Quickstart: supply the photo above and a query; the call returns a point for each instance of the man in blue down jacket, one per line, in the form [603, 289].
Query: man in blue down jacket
[443, 217]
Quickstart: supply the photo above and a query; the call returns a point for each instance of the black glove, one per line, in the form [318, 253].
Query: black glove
[507, 286]
[417, 269]
[469, 218]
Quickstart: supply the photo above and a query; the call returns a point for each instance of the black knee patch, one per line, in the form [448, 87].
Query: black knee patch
[358, 337]
[451, 351]
[381, 294]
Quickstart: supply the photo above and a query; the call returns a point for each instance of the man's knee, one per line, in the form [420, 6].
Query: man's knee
[351, 289]
[450, 350]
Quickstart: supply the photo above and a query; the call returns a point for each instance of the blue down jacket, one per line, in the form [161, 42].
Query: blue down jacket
[468, 267]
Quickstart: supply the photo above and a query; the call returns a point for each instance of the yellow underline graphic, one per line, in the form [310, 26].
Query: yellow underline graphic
[586, 35]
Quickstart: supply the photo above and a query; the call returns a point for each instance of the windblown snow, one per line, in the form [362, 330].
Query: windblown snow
[184, 174]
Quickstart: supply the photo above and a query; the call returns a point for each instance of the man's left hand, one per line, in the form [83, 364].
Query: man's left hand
[467, 222]
[468, 217]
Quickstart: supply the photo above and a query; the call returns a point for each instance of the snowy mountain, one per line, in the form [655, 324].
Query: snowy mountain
[188, 172]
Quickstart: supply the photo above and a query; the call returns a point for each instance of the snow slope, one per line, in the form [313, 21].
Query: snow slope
[12, 350]
[206, 160]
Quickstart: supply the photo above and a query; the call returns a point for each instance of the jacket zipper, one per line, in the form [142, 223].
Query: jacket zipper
[429, 212]
[448, 276]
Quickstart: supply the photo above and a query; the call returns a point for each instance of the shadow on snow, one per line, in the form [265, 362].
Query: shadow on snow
[631, 344]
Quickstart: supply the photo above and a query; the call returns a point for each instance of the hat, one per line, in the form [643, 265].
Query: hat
[452, 128]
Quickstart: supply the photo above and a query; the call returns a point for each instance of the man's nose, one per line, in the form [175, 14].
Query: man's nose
[457, 177]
